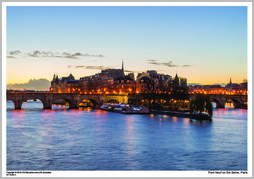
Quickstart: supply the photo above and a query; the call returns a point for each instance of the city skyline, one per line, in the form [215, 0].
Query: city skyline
[205, 44]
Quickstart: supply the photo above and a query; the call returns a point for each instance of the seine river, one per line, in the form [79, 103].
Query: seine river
[62, 139]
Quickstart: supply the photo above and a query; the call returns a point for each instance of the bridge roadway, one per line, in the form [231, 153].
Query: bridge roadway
[74, 99]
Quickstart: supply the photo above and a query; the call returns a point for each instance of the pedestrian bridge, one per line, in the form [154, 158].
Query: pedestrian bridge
[48, 98]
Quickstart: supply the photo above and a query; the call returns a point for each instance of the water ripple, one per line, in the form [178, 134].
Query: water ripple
[82, 140]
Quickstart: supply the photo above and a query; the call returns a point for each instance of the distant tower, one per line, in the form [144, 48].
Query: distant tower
[57, 79]
[122, 68]
[230, 82]
[54, 79]
[176, 80]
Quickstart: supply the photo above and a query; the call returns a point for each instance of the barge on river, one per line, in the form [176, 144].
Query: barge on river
[125, 108]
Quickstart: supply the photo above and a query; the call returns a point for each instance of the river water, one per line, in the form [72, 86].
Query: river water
[62, 139]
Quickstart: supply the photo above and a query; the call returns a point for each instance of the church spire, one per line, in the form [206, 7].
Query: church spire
[176, 80]
[54, 79]
[122, 68]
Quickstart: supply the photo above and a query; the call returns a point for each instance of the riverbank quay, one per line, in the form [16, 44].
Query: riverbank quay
[193, 117]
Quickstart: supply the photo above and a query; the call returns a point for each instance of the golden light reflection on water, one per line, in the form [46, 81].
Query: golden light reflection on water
[59, 107]
[86, 109]
[174, 119]
[229, 105]
[186, 120]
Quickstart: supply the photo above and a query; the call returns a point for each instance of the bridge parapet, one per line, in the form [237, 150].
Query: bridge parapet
[74, 99]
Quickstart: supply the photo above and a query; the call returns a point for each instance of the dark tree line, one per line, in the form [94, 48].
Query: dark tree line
[161, 94]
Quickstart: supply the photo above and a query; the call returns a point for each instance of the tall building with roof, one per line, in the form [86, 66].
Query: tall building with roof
[183, 82]
[176, 81]
[69, 78]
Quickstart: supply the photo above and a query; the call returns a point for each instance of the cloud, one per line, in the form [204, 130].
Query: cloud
[89, 67]
[168, 64]
[152, 60]
[99, 68]
[33, 84]
[77, 54]
[80, 66]
[35, 54]
[131, 71]
[10, 56]
[96, 67]
[15, 52]
[41, 54]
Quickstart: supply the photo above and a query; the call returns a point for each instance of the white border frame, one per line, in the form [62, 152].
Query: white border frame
[128, 173]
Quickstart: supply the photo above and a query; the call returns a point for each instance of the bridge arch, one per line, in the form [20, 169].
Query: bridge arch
[113, 101]
[219, 104]
[19, 102]
[16, 104]
[237, 103]
[72, 104]
[88, 100]
[11, 103]
[43, 101]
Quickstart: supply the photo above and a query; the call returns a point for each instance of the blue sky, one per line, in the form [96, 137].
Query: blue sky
[204, 44]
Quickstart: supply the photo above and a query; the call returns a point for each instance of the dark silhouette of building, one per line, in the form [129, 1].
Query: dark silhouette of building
[69, 78]
[232, 86]
[183, 82]
[176, 81]
[114, 81]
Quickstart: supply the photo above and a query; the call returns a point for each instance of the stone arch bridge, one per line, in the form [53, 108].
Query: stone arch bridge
[239, 101]
[48, 98]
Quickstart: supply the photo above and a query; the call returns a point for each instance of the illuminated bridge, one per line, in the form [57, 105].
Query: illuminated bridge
[239, 101]
[74, 99]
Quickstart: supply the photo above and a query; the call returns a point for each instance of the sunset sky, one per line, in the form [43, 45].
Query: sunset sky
[206, 45]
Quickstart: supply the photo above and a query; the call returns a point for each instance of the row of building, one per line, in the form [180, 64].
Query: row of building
[114, 81]
[229, 89]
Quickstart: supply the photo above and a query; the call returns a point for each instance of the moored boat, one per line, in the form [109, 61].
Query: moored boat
[125, 108]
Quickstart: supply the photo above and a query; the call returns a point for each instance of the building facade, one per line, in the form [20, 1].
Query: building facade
[114, 81]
